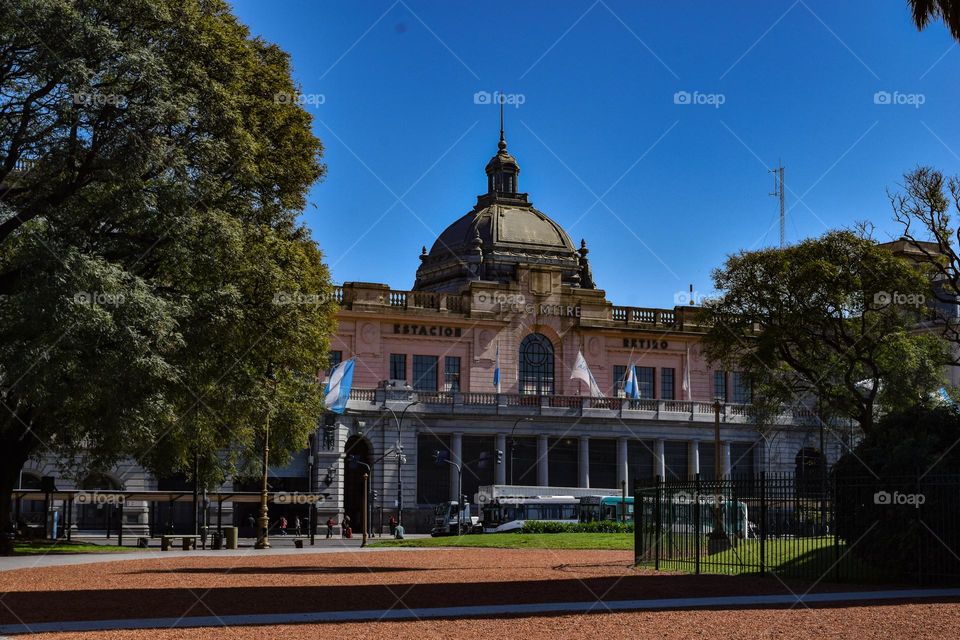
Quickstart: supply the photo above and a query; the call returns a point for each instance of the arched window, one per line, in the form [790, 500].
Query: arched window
[536, 365]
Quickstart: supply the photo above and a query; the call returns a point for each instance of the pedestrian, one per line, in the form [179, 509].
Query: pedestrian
[283, 525]
[345, 526]
[296, 525]
[330, 524]
[252, 523]
[393, 524]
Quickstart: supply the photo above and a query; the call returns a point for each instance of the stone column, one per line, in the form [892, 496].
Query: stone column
[693, 464]
[584, 465]
[725, 453]
[456, 443]
[659, 464]
[759, 456]
[543, 469]
[500, 474]
[622, 466]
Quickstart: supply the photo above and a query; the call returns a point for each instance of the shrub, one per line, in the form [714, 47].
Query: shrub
[600, 526]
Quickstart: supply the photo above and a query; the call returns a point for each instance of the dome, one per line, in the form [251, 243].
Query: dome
[502, 231]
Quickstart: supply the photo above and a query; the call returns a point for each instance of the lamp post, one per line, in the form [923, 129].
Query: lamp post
[459, 468]
[263, 522]
[366, 495]
[718, 540]
[513, 443]
[400, 458]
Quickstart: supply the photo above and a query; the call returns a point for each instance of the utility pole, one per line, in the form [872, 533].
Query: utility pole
[778, 192]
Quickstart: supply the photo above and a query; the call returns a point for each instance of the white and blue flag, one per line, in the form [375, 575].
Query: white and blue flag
[582, 372]
[337, 393]
[630, 388]
[496, 370]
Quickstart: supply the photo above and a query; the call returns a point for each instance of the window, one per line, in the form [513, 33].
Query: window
[619, 378]
[425, 373]
[451, 374]
[645, 379]
[666, 384]
[742, 394]
[536, 365]
[336, 357]
[720, 385]
[398, 366]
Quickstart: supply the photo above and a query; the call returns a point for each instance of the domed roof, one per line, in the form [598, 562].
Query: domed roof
[502, 231]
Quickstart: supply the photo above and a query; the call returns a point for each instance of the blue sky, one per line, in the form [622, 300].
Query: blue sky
[661, 191]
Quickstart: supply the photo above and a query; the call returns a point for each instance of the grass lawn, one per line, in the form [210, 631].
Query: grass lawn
[22, 548]
[617, 541]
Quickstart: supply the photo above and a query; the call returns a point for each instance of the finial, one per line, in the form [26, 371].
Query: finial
[502, 145]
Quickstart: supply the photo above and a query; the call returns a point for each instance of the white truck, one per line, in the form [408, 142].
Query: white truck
[450, 520]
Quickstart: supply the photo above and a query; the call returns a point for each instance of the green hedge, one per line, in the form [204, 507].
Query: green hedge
[602, 526]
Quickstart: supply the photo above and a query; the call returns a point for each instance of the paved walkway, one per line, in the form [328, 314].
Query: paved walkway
[402, 613]
[281, 547]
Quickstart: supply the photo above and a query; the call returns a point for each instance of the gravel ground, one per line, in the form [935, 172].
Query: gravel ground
[203, 586]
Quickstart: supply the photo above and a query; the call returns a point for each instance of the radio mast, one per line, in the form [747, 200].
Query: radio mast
[778, 191]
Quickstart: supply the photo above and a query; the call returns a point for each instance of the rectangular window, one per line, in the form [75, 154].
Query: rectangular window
[742, 394]
[645, 381]
[451, 374]
[666, 384]
[619, 375]
[398, 366]
[720, 385]
[336, 357]
[425, 373]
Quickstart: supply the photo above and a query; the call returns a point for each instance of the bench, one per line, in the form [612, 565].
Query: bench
[189, 541]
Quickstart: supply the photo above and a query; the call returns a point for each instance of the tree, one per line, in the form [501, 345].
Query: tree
[924, 209]
[926, 11]
[152, 167]
[826, 319]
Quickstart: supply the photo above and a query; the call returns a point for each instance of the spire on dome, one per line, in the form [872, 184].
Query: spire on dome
[502, 170]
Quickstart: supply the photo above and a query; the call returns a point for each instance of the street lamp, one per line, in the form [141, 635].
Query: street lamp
[400, 459]
[513, 444]
[263, 522]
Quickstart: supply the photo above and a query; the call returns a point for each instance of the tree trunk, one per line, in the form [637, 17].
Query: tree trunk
[16, 451]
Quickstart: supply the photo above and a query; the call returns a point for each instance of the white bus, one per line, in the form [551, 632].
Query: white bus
[509, 514]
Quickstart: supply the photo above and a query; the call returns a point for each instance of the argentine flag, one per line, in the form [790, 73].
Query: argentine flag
[496, 370]
[630, 388]
[337, 393]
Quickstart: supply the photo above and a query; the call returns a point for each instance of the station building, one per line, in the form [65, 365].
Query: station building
[505, 285]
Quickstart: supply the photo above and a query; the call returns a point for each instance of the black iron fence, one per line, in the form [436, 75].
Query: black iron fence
[904, 529]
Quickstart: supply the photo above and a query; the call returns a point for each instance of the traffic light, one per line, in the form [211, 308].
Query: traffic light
[499, 456]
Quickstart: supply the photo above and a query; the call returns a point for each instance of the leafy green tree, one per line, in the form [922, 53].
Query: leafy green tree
[153, 163]
[831, 318]
[927, 11]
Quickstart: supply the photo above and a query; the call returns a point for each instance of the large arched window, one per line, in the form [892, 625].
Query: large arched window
[536, 365]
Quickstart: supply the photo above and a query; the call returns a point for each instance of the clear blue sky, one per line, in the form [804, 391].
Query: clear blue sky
[662, 192]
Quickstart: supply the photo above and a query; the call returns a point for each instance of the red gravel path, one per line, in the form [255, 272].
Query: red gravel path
[204, 586]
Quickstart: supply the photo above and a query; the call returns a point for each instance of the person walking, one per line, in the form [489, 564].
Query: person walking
[393, 524]
[345, 526]
[331, 523]
[296, 525]
[252, 523]
[283, 525]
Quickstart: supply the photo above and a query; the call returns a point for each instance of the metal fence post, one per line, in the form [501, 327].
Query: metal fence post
[658, 524]
[763, 522]
[695, 501]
